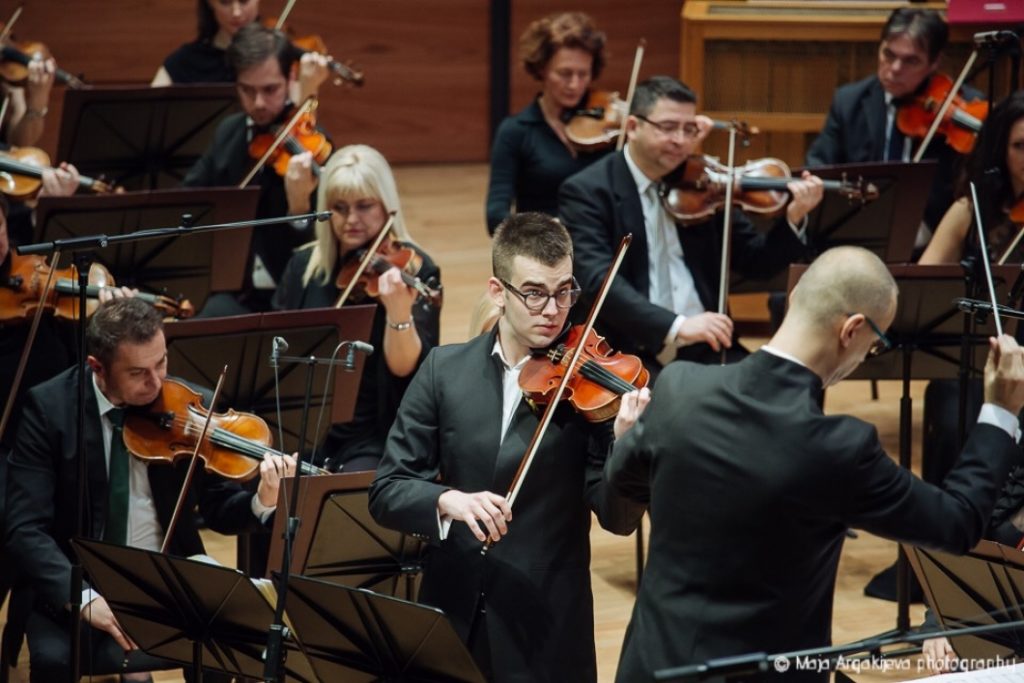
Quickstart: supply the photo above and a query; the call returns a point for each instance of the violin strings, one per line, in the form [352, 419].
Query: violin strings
[604, 377]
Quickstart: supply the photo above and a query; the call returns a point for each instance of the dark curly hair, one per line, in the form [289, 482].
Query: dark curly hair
[546, 36]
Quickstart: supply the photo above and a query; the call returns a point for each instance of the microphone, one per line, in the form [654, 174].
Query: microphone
[994, 37]
[350, 354]
[279, 347]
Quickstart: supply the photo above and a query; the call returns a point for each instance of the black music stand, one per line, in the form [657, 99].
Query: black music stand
[199, 614]
[887, 225]
[340, 542]
[929, 323]
[985, 586]
[197, 350]
[351, 634]
[141, 138]
[189, 268]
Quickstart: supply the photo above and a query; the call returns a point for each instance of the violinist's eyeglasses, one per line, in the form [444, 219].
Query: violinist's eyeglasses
[882, 344]
[537, 300]
[671, 129]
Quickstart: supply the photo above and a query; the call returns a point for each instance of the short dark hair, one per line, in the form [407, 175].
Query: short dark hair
[544, 37]
[532, 234]
[128, 320]
[648, 93]
[254, 44]
[924, 27]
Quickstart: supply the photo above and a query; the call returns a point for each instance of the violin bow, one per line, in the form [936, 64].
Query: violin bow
[638, 59]
[9, 26]
[549, 409]
[306, 107]
[19, 373]
[192, 465]
[945, 106]
[365, 261]
[984, 259]
[1013, 245]
[279, 26]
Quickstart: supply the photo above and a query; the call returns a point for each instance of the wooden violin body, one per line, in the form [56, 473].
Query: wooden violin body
[596, 124]
[167, 430]
[21, 173]
[304, 137]
[695, 191]
[22, 286]
[391, 254]
[960, 124]
[601, 378]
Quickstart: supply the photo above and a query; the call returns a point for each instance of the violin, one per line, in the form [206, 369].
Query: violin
[303, 137]
[21, 174]
[15, 58]
[600, 379]
[960, 124]
[167, 430]
[696, 190]
[595, 125]
[21, 287]
[391, 254]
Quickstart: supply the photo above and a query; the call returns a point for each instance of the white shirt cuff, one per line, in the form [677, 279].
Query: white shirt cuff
[444, 524]
[88, 595]
[799, 230]
[997, 416]
[668, 350]
[261, 511]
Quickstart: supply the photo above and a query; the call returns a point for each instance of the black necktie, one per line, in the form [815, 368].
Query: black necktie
[116, 528]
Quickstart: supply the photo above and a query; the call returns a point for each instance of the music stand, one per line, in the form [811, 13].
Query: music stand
[141, 138]
[985, 586]
[177, 267]
[352, 634]
[928, 322]
[340, 542]
[197, 350]
[199, 614]
[886, 226]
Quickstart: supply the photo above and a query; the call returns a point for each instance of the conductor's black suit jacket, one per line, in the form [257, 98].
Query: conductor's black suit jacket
[535, 582]
[42, 488]
[751, 489]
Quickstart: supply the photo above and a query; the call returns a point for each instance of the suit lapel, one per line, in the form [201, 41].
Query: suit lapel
[96, 458]
[630, 219]
[513, 448]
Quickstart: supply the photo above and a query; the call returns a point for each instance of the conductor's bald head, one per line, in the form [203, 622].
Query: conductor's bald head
[841, 281]
[833, 311]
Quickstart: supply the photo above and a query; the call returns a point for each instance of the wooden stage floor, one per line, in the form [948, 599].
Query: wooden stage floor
[444, 207]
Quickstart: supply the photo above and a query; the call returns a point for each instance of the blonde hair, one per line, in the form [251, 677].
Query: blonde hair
[353, 172]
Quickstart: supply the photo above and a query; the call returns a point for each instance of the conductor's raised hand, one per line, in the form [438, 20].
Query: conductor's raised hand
[1004, 374]
[482, 507]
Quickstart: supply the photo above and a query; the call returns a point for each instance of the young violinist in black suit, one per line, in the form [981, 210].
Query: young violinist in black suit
[662, 304]
[129, 502]
[757, 574]
[525, 608]
[359, 190]
[263, 60]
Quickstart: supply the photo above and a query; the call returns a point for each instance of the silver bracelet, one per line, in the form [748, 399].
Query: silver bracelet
[400, 326]
[39, 113]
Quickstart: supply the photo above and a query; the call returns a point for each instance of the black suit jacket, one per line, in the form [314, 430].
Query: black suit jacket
[536, 580]
[751, 489]
[601, 204]
[854, 133]
[42, 489]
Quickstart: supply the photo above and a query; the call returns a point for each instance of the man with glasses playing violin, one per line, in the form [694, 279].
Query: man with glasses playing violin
[525, 607]
[128, 501]
[662, 304]
[262, 60]
[757, 574]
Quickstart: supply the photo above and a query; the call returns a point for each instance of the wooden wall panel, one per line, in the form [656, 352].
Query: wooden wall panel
[625, 23]
[426, 92]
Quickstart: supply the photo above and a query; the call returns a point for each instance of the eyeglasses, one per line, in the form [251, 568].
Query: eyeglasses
[536, 300]
[361, 206]
[671, 129]
[882, 344]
